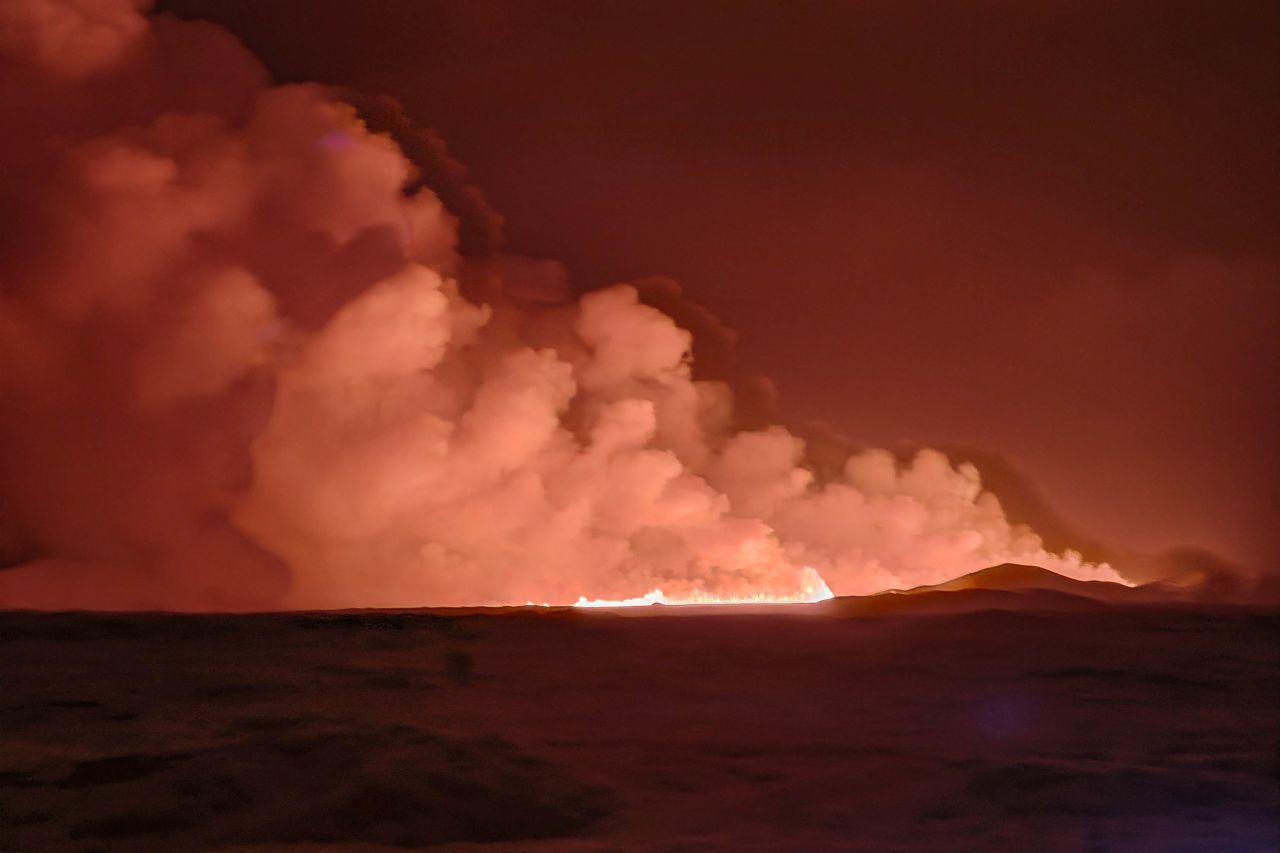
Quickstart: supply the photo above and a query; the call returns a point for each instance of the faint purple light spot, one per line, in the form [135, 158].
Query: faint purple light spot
[336, 140]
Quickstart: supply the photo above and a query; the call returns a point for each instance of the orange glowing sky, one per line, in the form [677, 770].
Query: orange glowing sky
[731, 295]
[1044, 233]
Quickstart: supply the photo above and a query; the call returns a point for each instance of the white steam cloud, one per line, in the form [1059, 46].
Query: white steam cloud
[239, 371]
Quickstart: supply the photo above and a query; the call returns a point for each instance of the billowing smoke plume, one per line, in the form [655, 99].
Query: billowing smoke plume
[244, 365]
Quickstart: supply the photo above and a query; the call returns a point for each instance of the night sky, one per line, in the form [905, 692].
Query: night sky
[1047, 234]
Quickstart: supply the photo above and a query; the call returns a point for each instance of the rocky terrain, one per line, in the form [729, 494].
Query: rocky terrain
[977, 719]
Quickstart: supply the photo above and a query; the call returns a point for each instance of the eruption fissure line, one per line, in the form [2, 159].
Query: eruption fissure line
[813, 589]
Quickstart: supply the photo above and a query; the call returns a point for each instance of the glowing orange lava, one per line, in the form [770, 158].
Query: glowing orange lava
[812, 589]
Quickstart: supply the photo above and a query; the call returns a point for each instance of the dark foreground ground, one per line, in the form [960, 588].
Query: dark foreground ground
[1110, 729]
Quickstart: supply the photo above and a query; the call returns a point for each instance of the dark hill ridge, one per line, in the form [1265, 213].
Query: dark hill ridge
[935, 602]
[1015, 576]
[1008, 586]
